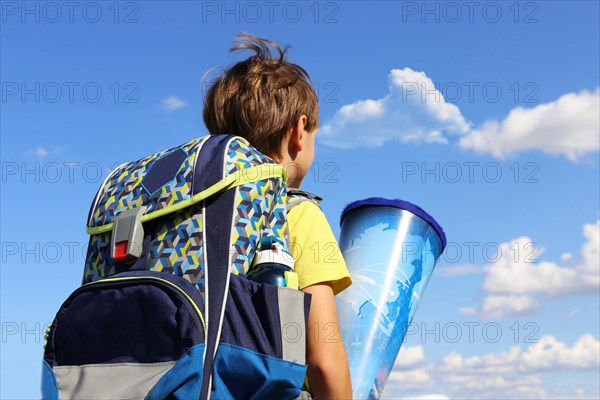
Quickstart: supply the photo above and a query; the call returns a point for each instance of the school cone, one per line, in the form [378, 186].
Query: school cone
[391, 248]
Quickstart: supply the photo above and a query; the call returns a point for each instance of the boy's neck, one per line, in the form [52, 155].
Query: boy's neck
[294, 174]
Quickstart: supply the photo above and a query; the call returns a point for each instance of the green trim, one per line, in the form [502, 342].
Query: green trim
[263, 171]
[291, 280]
[129, 278]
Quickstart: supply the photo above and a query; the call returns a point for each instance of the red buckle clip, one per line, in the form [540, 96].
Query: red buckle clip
[127, 235]
[121, 251]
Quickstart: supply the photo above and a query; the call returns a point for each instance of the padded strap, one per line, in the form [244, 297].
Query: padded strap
[209, 163]
[297, 196]
[218, 214]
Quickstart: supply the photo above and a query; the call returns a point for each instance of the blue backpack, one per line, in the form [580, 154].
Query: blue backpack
[165, 310]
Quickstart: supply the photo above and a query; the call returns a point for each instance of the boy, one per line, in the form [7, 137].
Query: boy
[270, 102]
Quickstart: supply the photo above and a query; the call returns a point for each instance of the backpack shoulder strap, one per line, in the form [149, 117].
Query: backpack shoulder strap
[297, 196]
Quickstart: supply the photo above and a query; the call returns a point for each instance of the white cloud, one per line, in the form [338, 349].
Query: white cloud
[416, 379]
[568, 126]
[412, 111]
[549, 353]
[172, 104]
[43, 152]
[515, 273]
[513, 373]
[40, 152]
[409, 357]
[579, 393]
[516, 372]
[467, 310]
[429, 396]
[500, 363]
[499, 306]
[410, 372]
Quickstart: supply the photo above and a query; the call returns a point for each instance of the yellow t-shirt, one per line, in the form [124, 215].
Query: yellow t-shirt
[317, 256]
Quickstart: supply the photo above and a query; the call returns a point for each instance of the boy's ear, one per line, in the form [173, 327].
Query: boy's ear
[297, 134]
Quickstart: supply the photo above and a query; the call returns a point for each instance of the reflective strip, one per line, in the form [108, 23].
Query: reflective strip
[109, 381]
[196, 160]
[206, 299]
[293, 324]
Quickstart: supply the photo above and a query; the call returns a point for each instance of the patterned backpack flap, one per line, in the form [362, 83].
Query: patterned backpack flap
[171, 238]
[175, 187]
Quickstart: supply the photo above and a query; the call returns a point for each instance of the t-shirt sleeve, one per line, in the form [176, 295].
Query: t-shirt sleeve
[317, 255]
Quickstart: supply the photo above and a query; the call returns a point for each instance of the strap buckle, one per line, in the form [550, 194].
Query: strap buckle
[127, 235]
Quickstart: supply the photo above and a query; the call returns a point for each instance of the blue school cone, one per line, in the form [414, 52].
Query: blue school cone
[391, 248]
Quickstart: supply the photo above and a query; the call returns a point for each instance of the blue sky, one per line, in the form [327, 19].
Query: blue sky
[487, 117]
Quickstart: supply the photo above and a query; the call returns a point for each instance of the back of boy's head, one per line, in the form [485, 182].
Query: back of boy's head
[261, 98]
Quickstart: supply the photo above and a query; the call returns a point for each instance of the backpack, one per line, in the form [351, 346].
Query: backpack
[165, 310]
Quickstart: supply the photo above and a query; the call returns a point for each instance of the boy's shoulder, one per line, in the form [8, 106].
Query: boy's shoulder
[304, 213]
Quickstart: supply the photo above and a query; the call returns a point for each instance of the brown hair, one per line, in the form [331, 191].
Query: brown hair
[261, 98]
